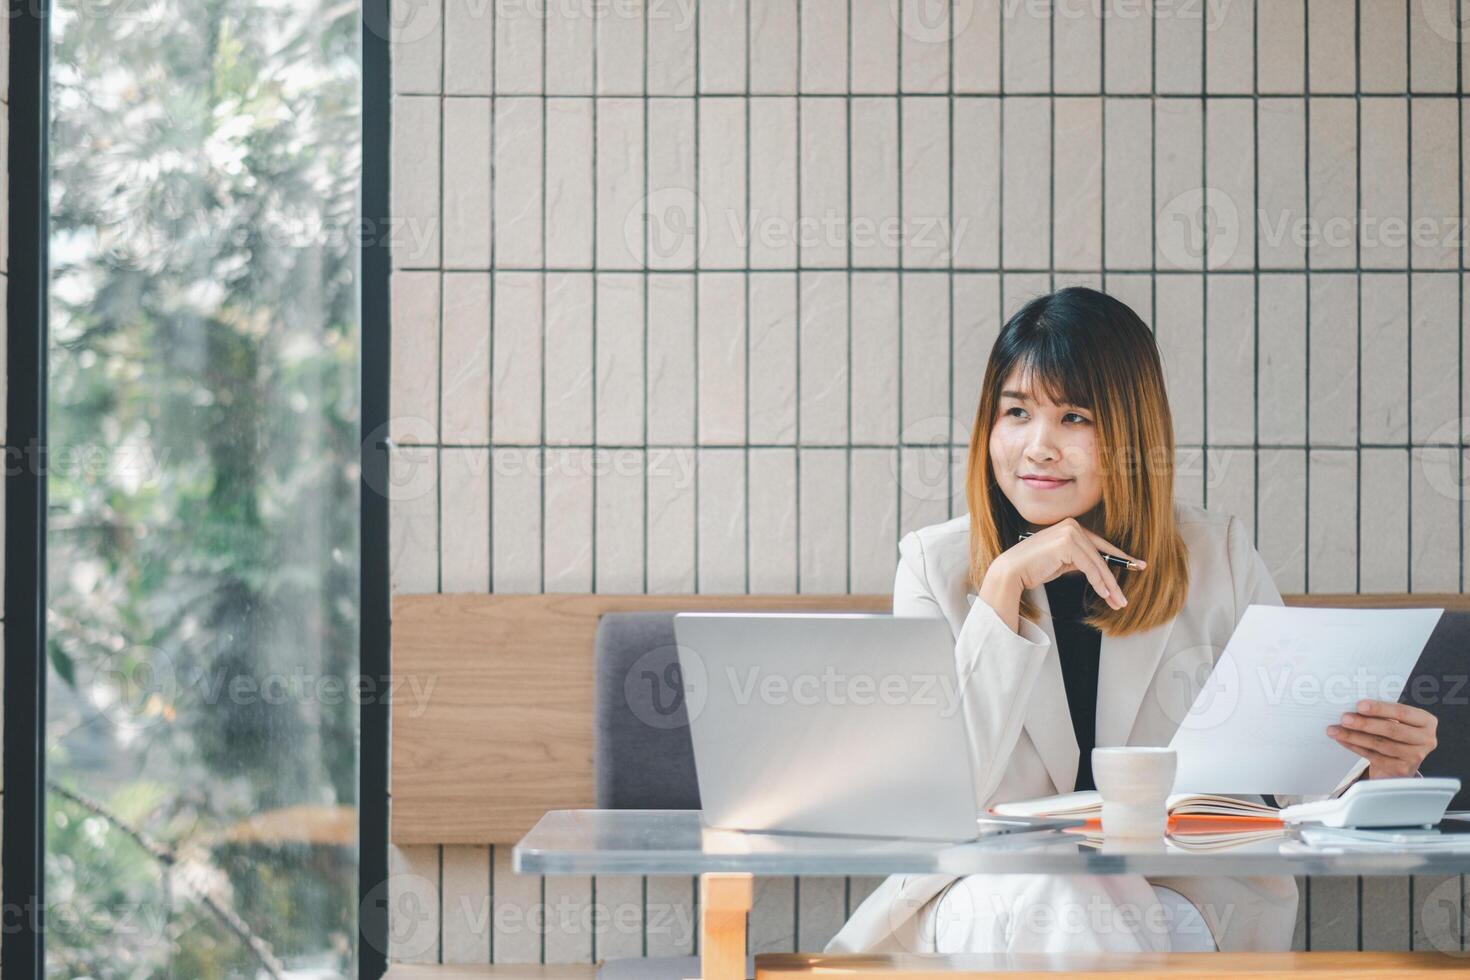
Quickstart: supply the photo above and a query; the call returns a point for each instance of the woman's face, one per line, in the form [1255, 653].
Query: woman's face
[1045, 456]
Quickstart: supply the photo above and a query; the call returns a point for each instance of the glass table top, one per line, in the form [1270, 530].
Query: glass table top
[656, 842]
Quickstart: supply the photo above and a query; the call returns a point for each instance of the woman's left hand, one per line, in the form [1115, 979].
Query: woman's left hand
[1394, 738]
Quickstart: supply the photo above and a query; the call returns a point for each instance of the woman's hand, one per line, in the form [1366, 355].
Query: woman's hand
[1394, 738]
[1063, 547]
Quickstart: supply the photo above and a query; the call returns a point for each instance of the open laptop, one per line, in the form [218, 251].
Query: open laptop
[830, 723]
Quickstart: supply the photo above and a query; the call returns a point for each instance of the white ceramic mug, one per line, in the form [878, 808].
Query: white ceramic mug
[1134, 781]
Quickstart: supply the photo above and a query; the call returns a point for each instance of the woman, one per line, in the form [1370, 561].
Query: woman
[1058, 651]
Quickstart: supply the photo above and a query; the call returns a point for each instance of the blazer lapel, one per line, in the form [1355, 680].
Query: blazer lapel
[1125, 674]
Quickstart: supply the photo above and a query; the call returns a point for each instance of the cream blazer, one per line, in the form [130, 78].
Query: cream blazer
[1020, 730]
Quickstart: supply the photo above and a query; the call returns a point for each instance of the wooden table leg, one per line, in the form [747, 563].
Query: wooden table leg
[724, 900]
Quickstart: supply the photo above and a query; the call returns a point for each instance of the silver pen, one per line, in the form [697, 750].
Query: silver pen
[1111, 559]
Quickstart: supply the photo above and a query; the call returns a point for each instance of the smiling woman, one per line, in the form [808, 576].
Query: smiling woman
[1071, 460]
[1073, 434]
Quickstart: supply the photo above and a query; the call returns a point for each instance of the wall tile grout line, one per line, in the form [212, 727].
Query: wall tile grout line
[967, 96]
[1409, 355]
[950, 251]
[439, 417]
[1460, 344]
[847, 906]
[490, 366]
[919, 444]
[897, 459]
[1104, 105]
[1307, 289]
[1204, 176]
[912, 270]
[1460, 347]
[1256, 304]
[1051, 149]
[798, 108]
[541, 452]
[1153, 173]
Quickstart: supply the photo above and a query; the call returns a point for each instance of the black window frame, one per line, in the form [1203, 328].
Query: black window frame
[22, 852]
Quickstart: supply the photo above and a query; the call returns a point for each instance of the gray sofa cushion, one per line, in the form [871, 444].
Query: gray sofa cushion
[642, 756]
[1439, 685]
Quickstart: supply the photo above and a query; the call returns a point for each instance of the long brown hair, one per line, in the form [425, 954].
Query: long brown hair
[1081, 347]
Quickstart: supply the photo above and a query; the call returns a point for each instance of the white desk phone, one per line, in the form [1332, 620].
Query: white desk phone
[1409, 802]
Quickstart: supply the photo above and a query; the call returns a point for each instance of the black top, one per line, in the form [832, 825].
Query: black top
[1078, 646]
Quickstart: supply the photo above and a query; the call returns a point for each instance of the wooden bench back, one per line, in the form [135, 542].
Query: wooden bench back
[493, 699]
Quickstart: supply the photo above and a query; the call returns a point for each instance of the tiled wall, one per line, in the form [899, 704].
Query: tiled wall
[698, 298]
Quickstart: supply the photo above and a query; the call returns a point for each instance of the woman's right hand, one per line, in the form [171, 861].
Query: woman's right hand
[1063, 547]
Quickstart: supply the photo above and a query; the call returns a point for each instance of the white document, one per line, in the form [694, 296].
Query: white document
[1259, 724]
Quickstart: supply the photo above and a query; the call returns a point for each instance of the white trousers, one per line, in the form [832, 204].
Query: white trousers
[1061, 914]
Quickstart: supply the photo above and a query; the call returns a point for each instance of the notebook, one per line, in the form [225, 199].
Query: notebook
[1087, 804]
[1201, 834]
